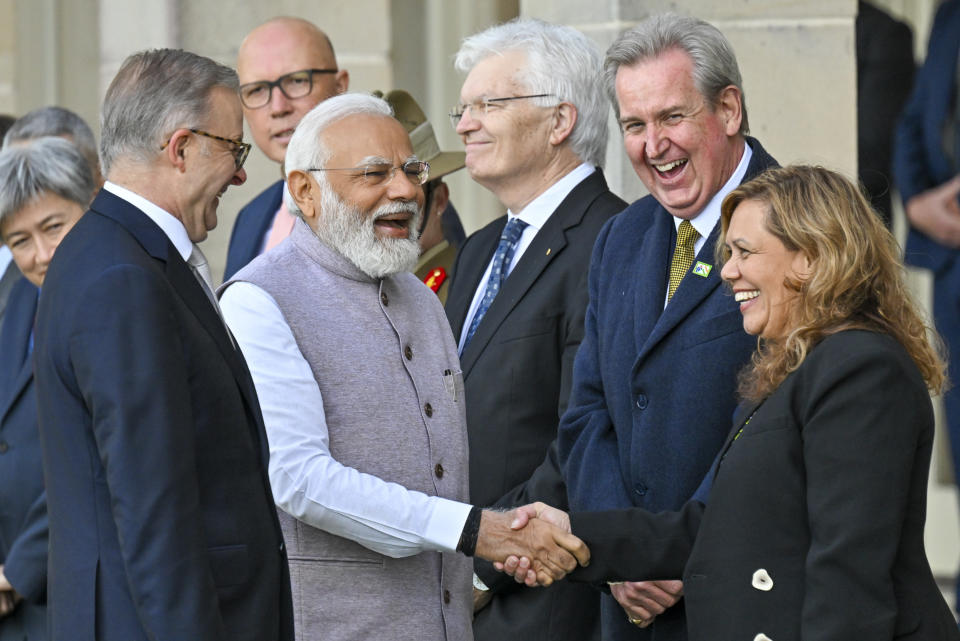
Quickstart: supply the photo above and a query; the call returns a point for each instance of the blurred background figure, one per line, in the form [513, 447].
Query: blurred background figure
[884, 78]
[57, 121]
[927, 173]
[441, 232]
[286, 67]
[45, 186]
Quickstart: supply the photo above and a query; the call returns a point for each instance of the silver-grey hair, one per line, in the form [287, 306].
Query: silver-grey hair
[714, 63]
[48, 165]
[55, 121]
[561, 61]
[155, 93]
[306, 149]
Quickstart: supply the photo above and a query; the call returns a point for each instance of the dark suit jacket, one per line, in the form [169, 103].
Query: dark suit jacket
[824, 491]
[162, 523]
[884, 79]
[654, 388]
[920, 162]
[517, 371]
[23, 507]
[252, 223]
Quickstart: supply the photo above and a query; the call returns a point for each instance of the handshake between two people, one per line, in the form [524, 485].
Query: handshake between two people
[533, 540]
[553, 552]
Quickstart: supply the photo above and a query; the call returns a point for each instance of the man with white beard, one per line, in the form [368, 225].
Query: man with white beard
[365, 417]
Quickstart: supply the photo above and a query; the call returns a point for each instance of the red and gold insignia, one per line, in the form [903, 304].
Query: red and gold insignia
[435, 278]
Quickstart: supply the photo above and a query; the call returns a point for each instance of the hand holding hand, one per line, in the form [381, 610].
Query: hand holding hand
[520, 567]
[644, 600]
[551, 551]
[936, 213]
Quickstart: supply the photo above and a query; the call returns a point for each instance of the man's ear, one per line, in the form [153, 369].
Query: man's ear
[440, 198]
[299, 185]
[730, 107]
[176, 149]
[343, 81]
[563, 121]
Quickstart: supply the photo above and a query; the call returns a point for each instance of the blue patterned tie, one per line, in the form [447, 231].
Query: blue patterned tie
[498, 271]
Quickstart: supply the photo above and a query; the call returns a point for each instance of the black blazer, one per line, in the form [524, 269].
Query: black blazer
[814, 525]
[162, 523]
[23, 507]
[517, 373]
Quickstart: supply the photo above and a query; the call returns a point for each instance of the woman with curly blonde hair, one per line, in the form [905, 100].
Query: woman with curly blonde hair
[814, 524]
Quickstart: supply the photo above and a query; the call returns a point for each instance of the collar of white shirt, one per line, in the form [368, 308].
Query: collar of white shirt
[170, 225]
[538, 211]
[707, 219]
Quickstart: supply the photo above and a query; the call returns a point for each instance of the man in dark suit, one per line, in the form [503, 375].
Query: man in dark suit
[286, 67]
[655, 377]
[162, 523]
[533, 119]
[926, 162]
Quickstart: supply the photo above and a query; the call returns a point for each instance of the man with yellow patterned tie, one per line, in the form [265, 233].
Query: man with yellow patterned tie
[654, 380]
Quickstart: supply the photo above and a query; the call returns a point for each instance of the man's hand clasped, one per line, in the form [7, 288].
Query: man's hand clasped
[534, 539]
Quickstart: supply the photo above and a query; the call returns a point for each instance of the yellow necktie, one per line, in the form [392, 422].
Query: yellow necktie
[682, 255]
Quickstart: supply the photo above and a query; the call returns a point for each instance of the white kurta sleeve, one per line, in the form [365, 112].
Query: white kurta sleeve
[308, 483]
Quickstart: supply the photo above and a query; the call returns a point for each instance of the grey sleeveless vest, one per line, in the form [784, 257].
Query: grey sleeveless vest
[379, 350]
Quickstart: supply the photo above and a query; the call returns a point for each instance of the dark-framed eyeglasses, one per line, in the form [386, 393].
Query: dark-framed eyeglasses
[377, 174]
[295, 84]
[238, 148]
[482, 107]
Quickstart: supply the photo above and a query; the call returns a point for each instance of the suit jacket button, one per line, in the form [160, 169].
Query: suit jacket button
[384, 299]
[446, 596]
[762, 580]
[4, 447]
[408, 352]
[641, 402]
[438, 470]
[428, 410]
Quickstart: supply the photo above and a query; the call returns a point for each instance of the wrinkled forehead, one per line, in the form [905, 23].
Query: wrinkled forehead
[365, 139]
[495, 76]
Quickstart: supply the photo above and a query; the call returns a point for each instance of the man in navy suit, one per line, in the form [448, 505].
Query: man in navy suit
[534, 122]
[655, 377]
[927, 172]
[286, 67]
[162, 524]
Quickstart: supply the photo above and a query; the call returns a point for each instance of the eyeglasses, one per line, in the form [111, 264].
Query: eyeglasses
[295, 84]
[377, 174]
[483, 107]
[239, 149]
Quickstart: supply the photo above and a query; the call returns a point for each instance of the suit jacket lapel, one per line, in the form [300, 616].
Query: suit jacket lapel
[17, 327]
[741, 415]
[545, 247]
[470, 266]
[692, 291]
[184, 283]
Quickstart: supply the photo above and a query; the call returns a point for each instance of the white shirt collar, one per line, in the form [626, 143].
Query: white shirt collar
[536, 213]
[6, 256]
[707, 219]
[170, 225]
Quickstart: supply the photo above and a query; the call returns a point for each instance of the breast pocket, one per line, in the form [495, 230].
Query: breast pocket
[715, 328]
[453, 384]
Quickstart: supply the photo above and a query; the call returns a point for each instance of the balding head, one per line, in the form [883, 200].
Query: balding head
[276, 48]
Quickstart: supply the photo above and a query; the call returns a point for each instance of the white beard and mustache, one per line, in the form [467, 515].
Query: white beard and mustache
[347, 230]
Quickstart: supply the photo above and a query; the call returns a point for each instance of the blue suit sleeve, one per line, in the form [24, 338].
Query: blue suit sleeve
[26, 564]
[131, 365]
[587, 441]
